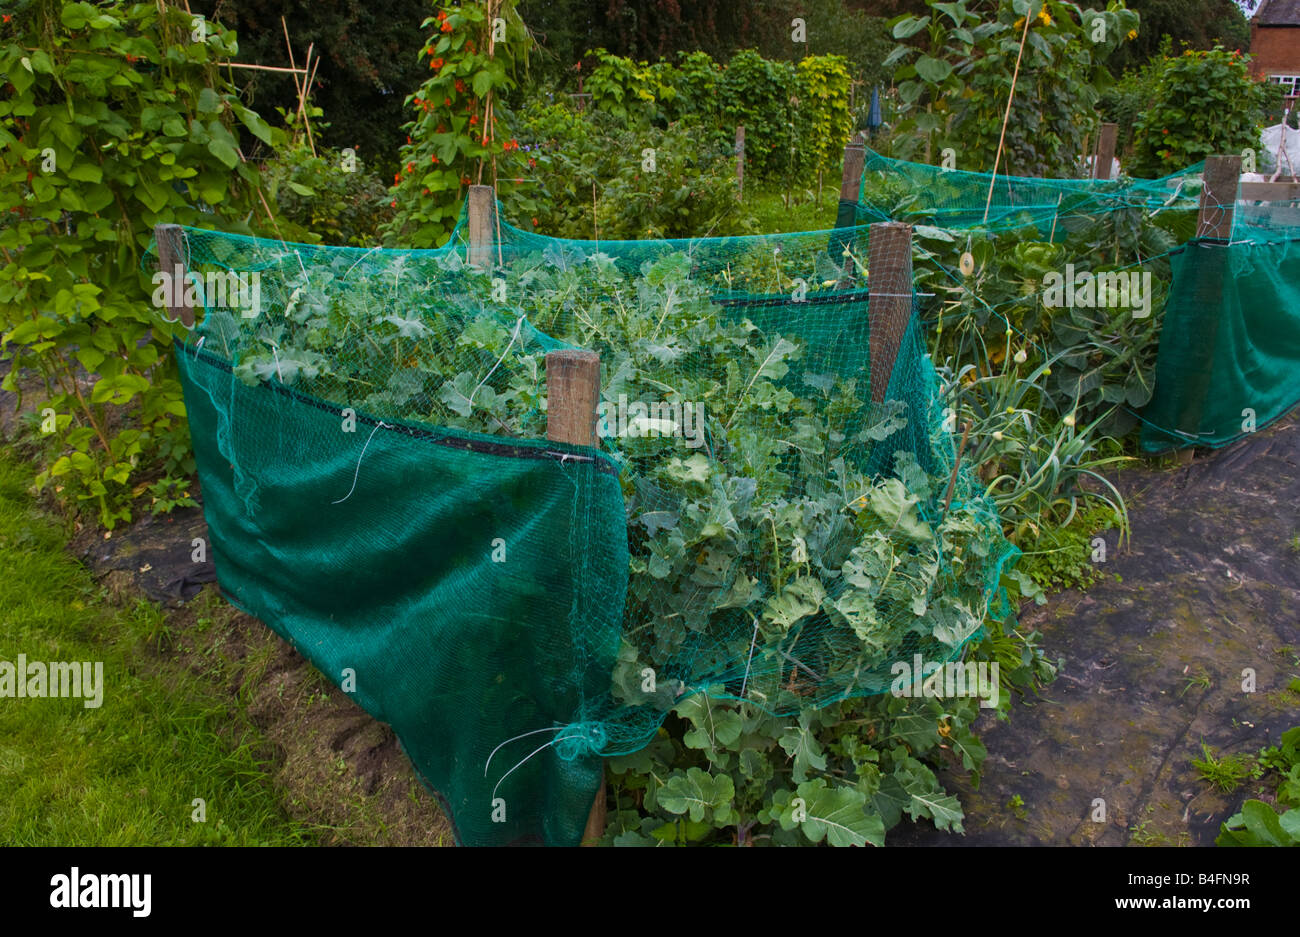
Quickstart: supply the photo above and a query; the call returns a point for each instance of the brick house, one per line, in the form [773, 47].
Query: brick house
[1275, 43]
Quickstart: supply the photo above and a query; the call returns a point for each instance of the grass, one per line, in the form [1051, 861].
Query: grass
[129, 771]
[766, 205]
[1227, 772]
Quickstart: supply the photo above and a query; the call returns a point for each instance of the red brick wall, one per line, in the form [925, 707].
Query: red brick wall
[1275, 49]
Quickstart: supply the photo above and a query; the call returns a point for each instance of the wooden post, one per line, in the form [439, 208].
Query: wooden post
[572, 392]
[1105, 151]
[1201, 332]
[889, 301]
[740, 161]
[482, 209]
[171, 261]
[1218, 197]
[855, 156]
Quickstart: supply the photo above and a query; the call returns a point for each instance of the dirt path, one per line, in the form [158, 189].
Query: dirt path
[1154, 660]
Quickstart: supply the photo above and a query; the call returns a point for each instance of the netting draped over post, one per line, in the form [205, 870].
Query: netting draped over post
[763, 519]
[1208, 353]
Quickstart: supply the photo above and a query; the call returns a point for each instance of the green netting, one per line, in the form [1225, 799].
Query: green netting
[763, 519]
[1210, 354]
[1230, 363]
[959, 200]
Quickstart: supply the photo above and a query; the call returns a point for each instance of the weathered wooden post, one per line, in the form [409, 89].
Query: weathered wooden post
[855, 157]
[1105, 151]
[740, 161]
[1218, 197]
[572, 392]
[482, 212]
[171, 261]
[847, 215]
[889, 300]
[1200, 333]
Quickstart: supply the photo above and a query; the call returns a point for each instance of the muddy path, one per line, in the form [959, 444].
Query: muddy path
[1156, 654]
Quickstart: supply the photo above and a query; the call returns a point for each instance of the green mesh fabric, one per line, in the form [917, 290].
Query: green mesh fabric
[1221, 357]
[1232, 363]
[960, 200]
[763, 519]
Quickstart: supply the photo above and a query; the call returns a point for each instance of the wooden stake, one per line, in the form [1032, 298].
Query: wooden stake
[265, 68]
[889, 302]
[482, 206]
[740, 161]
[1006, 117]
[1105, 151]
[171, 261]
[572, 392]
[1218, 197]
[952, 480]
[855, 156]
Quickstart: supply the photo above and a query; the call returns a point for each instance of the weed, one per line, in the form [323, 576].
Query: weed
[1017, 806]
[1227, 773]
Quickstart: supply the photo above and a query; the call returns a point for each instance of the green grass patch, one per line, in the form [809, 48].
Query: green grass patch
[776, 210]
[129, 771]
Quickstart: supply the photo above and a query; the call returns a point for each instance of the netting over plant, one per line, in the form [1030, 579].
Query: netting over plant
[1131, 317]
[767, 515]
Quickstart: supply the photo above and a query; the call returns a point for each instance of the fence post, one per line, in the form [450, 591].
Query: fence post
[1200, 332]
[847, 215]
[572, 392]
[740, 161]
[482, 209]
[171, 261]
[1218, 197]
[855, 157]
[1105, 151]
[889, 300]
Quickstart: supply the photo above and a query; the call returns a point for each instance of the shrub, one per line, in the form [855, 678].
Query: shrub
[116, 118]
[1203, 103]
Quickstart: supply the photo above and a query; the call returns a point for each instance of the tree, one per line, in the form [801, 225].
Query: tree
[369, 62]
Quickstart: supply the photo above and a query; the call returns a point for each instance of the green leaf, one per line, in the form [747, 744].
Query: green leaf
[800, 743]
[909, 26]
[838, 815]
[932, 70]
[209, 102]
[118, 390]
[85, 171]
[223, 151]
[702, 796]
[256, 126]
[897, 509]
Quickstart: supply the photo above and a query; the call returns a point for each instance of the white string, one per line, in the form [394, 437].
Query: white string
[508, 741]
[358, 260]
[357, 473]
[518, 325]
[534, 752]
[754, 640]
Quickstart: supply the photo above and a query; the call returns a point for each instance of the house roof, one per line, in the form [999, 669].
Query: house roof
[1278, 13]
